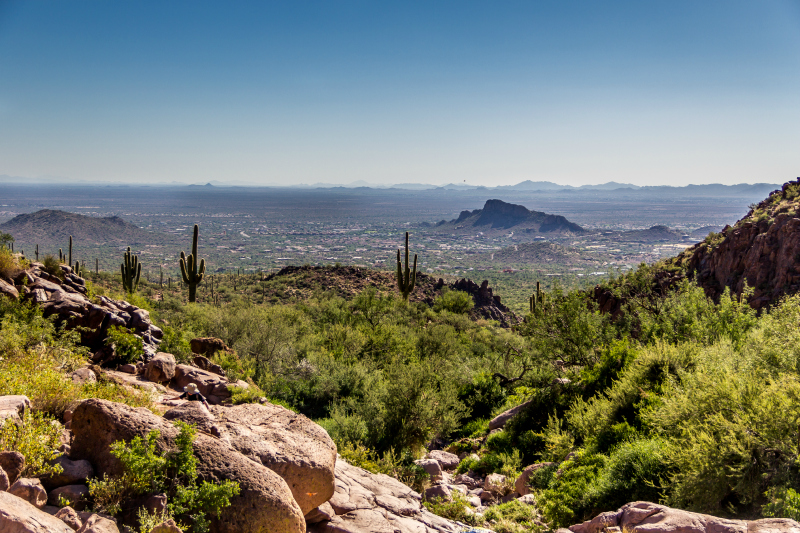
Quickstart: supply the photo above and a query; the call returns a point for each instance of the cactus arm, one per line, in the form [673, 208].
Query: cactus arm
[413, 275]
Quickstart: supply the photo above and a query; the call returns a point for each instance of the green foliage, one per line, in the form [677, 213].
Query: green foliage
[566, 501]
[458, 508]
[399, 467]
[176, 342]
[52, 266]
[149, 468]
[513, 517]
[5, 241]
[128, 347]
[783, 502]
[36, 437]
[458, 302]
[9, 265]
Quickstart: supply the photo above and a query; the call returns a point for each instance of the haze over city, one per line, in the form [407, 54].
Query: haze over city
[474, 93]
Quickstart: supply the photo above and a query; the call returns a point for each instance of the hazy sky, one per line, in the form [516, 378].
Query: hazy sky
[646, 92]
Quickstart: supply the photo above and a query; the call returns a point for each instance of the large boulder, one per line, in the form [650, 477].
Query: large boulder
[161, 368]
[265, 503]
[69, 516]
[30, 490]
[19, 516]
[289, 444]
[4, 483]
[73, 495]
[447, 460]
[7, 289]
[646, 517]
[212, 386]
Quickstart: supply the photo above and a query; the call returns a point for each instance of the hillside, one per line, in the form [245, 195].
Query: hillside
[761, 250]
[498, 215]
[53, 227]
[653, 234]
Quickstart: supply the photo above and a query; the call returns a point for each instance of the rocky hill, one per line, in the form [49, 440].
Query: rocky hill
[53, 227]
[499, 215]
[654, 234]
[761, 250]
[293, 282]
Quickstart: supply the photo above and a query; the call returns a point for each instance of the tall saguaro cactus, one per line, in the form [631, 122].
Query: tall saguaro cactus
[69, 262]
[192, 276]
[406, 278]
[131, 270]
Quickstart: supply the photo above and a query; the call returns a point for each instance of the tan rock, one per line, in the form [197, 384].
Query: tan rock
[69, 516]
[83, 376]
[30, 490]
[72, 473]
[98, 524]
[167, 527]
[646, 517]
[4, 483]
[208, 346]
[19, 516]
[7, 289]
[320, 514]
[500, 420]
[291, 445]
[161, 368]
[496, 484]
[212, 386]
[447, 460]
[265, 503]
[521, 483]
[13, 406]
[432, 467]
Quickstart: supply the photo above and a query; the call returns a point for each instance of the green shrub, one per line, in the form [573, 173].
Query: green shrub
[147, 470]
[402, 467]
[52, 266]
[176, 342]
[482, 396]
[458, 302]
[455, 509]
[566, 501]
[783, 502]
[9, 265]
[36, 437]
[513, 517]
[128, 347]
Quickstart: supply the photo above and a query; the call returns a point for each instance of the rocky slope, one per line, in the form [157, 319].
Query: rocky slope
[761, 250]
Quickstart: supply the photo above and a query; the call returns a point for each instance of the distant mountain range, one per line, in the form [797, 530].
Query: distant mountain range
[499, 215]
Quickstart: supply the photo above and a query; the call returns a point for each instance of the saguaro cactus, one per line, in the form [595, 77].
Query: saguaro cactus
[70, 251]
[537, 299]
[192, 276]
[406, 278]
[37, 252]
[131, 270]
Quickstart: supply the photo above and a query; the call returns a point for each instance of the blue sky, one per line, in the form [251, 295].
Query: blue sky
[488, 93]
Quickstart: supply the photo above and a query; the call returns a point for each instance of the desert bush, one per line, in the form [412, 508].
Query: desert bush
[9, 265]
[128, 348]
[513, 517]
[566, 501]
[36, 437]
[455, 509]
[51, 265]
[400, 467]
[782, 502]
[457, 302]
[147, 470]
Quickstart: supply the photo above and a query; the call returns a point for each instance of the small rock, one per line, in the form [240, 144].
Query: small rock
[69, 517]
[167, 527]
[73, 495]
[431, 466]
[30, 490]
[320, 514]
[128, 368]
[13, 407]
[156, 504]
[448, 461]
[440, 492]
[500, 420]
[83, 376]
[4, 484]
[98, 524]
[13, 463]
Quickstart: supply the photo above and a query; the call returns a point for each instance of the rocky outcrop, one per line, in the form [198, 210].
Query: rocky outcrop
[265, 503]
[487, 305]
[646, 517]
[161, 368]
[210, 385]
[19, 516]
[208, 346]
[367, 503]
[289, 444]
[761, 250]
